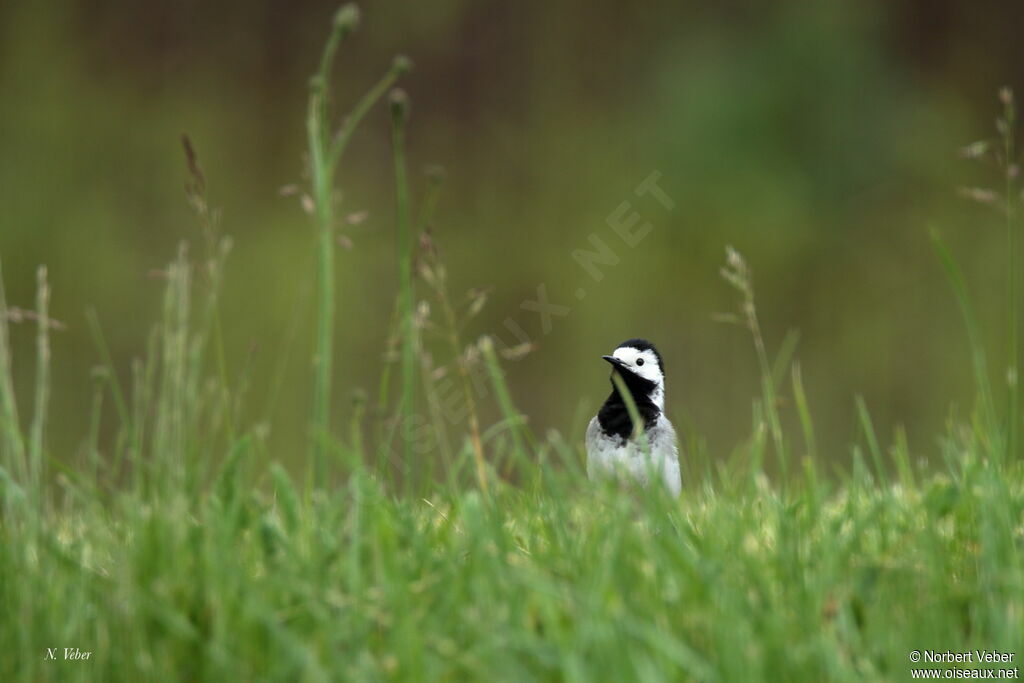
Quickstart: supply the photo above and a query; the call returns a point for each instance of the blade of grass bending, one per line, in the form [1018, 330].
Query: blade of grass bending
[517, 429]
[784, 356]
[959, 285]
[804, 412]
[869, 433]
[15, 444]
[634, 413]
[399, 67]
[407, 396]
[523, 437]
[901, 456]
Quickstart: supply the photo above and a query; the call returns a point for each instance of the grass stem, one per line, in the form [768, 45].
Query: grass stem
[406, 295]
[1010, 171]
[325, 153]
[13, 444]
[42, 395]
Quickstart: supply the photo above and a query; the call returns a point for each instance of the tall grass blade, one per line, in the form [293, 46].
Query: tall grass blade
[109, 372]
[325, 152]
[13, 451]
[406, 296]
[170, 433]
[1010, 173]
[738, 274]
[992, 432]
[864, 417]
[784, 356]
[42, 394]
[93, 441]
[517, 427]
[901, 456]
[804, 412]
[286, 496]
[323, 186]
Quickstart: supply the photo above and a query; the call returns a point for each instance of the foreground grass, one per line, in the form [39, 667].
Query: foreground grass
[557, 581]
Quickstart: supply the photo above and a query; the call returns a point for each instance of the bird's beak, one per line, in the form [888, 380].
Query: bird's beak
[616, 362]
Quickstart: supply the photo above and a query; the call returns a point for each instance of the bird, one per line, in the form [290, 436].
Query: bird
[613, 449]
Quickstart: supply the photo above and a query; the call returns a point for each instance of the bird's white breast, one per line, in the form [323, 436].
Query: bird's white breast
[613, 456]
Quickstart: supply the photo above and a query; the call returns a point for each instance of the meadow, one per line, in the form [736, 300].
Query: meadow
[177, 544]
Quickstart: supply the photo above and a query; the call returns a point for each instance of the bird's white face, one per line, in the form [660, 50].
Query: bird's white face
[643, 363]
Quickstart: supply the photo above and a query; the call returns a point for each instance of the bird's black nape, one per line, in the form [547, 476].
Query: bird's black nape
[644, 345]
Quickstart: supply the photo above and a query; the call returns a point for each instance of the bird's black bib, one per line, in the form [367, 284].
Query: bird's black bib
[614, 417]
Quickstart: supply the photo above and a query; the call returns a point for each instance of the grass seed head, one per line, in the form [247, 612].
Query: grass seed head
[399, 102]
[346, 19]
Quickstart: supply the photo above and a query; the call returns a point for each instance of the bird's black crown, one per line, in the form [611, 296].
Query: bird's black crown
[644, 345]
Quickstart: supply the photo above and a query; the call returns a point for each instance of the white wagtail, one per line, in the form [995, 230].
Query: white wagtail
[612, 448]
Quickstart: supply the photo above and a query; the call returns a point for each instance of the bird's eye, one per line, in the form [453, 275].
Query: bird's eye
[639, 361]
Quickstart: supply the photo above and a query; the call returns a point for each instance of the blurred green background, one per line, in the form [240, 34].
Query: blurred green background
[820, 139]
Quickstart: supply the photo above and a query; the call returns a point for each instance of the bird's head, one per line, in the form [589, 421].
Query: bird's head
[641, 368]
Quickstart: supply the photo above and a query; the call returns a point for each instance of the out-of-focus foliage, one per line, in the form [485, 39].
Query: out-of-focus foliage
[818, 138]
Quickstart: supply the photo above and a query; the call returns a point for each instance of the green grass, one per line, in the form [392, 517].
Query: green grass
[176, 547]
[550, 580]
[325, 154]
